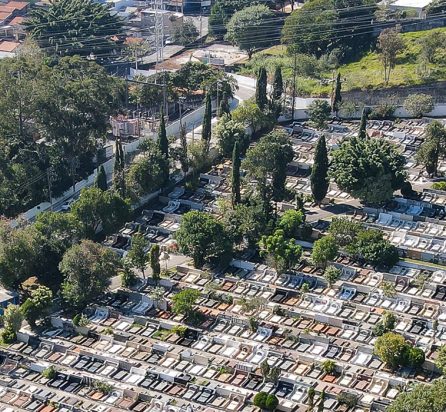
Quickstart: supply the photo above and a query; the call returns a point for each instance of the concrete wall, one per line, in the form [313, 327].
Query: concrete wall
[192, 119]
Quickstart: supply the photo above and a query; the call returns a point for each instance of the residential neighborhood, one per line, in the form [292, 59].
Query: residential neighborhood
[223, 205]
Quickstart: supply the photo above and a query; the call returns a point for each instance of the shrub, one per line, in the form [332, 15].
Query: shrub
[49, 373]
[439, 186]
[419, 104]
[260, 400]
[348, 399]
[414, 357]
[8, 335]
[271, 402]
[180, 330]
[76, 319]
[383, 111]
[329, 366]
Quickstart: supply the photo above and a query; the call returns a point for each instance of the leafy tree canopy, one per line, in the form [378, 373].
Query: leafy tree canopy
[321, 26]
[98, 210]
[68, 27]
[324, 250]
[203, 238]
[369, 169]
[253, 27]
[423, 398]
[87, 268]
[227, 132]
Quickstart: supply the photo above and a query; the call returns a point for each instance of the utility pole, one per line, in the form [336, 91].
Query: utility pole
[294, 85]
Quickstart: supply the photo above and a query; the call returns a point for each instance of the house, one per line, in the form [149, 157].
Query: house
[417, 7]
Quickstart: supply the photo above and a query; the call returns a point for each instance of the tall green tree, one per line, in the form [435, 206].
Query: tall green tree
[276, 96]
[389, 44]
[98, 210]
[319, 172]
[324, 250]
[203, 238]
[336, 98]
[319, 113]
[137, 255]
[87, 268]
[69, 27]
[56, 232]
[370, 169]
[285, 253]
[235, 174]
[246, 25]
[183, 302]
[277, 83]
[155, 262]
[12, 319]
[290, 222]
[262, 83]
[363, 125]
[37, 305]
[433, 147]
[163, 144]
[224, 105]
[207, 119]
[119, 169]
[19, 254]
[101, 179]
[423, 397]
[321, 26]
[267, 161]
[227, 132]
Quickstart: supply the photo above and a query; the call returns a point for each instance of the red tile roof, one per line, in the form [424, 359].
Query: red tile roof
[8, 46]
[4, 15]
[16, 21]
[18, 5]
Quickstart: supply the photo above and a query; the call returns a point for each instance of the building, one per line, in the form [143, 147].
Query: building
[171, 20]
[124, 127]
[8, 48]
[7, 298]
[417, 7]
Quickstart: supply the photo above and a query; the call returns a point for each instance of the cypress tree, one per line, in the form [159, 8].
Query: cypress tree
[101, 179]
[154, 259]
[363, 125]
[277, 84]
[262, 80]
[183, 153]
[336, 98]
[207, 127]
[163, 143]
[319, 173]
[118, 172]
[235, 178]
[224, 105]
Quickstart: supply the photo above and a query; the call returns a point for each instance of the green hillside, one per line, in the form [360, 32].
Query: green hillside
[367, 73]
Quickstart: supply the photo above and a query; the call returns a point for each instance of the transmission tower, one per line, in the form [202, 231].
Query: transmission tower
[159, 30]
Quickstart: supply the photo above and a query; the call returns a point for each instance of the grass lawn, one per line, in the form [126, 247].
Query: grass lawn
[367, 73]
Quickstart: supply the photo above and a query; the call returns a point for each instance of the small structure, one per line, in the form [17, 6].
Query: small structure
[7, 298]
[416, 6]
